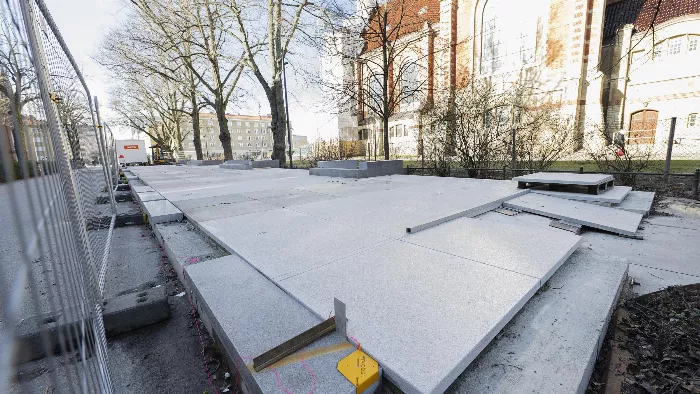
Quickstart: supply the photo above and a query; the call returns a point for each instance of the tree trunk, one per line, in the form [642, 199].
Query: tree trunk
[279, 121]
[385, 136]
[195, 126]
[224, 135]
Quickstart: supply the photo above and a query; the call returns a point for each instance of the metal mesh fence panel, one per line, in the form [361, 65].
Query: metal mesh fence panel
[56, 232]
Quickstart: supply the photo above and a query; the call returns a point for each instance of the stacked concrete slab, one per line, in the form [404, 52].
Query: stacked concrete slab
[249, 164]
[594, 183]
[357, 170]
[203, 162]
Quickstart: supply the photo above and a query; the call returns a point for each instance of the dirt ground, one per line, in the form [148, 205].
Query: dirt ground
[653, 345]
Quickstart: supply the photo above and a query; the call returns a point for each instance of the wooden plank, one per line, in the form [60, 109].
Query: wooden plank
[285, 349]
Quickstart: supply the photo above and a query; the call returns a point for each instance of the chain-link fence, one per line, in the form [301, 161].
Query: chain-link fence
[58, 170]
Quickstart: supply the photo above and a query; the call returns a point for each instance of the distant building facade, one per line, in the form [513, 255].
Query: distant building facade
[251, 137]
[612, 63]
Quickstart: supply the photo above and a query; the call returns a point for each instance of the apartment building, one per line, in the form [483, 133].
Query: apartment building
[251, 137]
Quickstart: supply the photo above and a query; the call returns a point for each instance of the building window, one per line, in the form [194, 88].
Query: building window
[692, 43]
[240, 138]
[508, 35]
[256, 124]
[249, 145]
[256, 131]
[265, 144]
[209, 122]
[230, 123]
[693, 120]
[674, 46]
[247, 131]
[659, 50]
[248, 138]
[240, 145]
[247, 124]
[405, 131]
[238, 124]
[410, 83]
[391, 132]
[257, 145]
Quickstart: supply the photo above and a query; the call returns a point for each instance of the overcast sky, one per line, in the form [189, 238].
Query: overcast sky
[83, 23]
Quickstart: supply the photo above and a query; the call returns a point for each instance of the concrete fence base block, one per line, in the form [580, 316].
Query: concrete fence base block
[139, 308]
[347, 164]
[366, 169]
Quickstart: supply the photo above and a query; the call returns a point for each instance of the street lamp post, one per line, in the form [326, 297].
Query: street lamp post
[286, 110]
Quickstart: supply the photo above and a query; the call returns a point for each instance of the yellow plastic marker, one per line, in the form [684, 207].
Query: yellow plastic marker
[360, 369]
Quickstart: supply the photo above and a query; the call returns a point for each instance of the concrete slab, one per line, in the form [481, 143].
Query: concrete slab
[141, 189]
[565, 178]
[185, 245]
[149, 196]
[613, 195]
[422, 314]
[204, 214]
[501, 245]
[186, 205]
[552, 344]
[637, 201]
[281, 243]
[602, 218]
[161, 211]
[251, 315]
[352, 173]
[351, 164]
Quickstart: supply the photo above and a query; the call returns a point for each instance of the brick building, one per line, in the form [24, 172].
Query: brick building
[574, 54]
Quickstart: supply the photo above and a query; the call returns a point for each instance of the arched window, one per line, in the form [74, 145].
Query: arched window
[410, 83]
[509, 34]
[693, 120]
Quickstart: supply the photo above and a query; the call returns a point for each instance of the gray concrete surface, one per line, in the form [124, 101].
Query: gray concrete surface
[552, 344]
[595, 216]
[161, 211]
[348, 164]
[613, 195]
[252, 315]
[132, 259]
[637, 201]
[565, 178]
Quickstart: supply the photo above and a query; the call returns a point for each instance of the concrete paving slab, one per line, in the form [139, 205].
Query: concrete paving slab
[668, 248]
[149, 196]
[141, 189]
[637, 201]
[161, 211]
[552, 344]
[280, 242]
[501, 245]
[351, 187]
[565, 178]
[422, 314]
[204, 214]
[251, 315]
[614, 195]
[186, 205]
[602, 218]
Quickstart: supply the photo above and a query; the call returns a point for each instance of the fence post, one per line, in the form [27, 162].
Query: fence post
[580, 170]
[696, 184]
[669, 151]
[504, 172]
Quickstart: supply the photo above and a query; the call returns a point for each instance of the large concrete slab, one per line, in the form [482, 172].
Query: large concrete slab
[149, 196]
[613, 195]
[596, 216]
[552, 344]
[422, 314]
[161, 211]
[281, 243]
[141, 189]
[501, 245]
[637, 201]
[227, 210]
[565, 178]
[251, 315]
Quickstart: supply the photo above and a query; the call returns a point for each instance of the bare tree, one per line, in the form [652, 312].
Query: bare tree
[17, 79]
[133, 48]
[391, 67]
[283, 22]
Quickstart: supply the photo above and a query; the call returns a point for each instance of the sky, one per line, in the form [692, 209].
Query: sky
[83, 23]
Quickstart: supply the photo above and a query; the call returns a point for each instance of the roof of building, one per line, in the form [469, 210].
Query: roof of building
[403, 16]
[643, 14]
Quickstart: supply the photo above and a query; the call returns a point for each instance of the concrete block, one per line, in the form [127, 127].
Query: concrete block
[185, 245]
[383, 167]
[141, 189]
[637, 201]
[204, 162]
[161, 211]
[565, 178]
[595, 216]
[552, 344]
[347, 164]
[251, 315]
[236, 166]
[31, 331]
[613, 195]
[424, 315]
[266, 163]
[339, 172]
[501, 245]
[281, 242]
[244, 162]
[141, 307]
[149, 196]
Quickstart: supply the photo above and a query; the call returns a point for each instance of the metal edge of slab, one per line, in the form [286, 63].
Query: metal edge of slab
[471, 212]
[529, 179]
